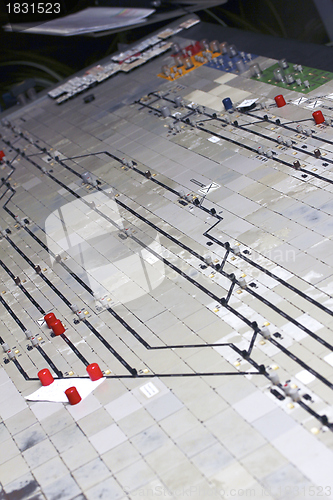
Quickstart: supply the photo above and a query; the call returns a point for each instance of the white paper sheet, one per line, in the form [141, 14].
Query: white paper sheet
[55, 392]
[89, 20]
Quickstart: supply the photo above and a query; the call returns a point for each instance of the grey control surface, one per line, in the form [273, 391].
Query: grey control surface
[186, 248]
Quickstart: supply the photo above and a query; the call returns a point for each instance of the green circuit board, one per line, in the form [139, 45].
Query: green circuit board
[315, 77]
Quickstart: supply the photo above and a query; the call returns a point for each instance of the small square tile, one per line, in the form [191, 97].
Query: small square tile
[20, 421]
[254, 406]
[57, 421]
[40, 453]
[108, 438]
[12, 406]
[279, 482]
[30, 437]
[244, 442]
[264, 461]
[91, 424]
[92, 473]
[135, 475]
[196, 440]
[164, 458]
[212, 459]
[8, 450]
[164, 406]
[13, 469]
[50, 471]
[8, 391]
[64, 488]
[233, 476]
[136, 422]
[43, 409]
[23, 487]
[123, 406]
[121, 456]
[86, 407]
[106, 490]
[274, 423]
[150, 439]
[177, 479]
[78, 455]
[68, 437]
[179, 422]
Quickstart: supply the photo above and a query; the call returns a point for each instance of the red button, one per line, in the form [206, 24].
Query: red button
[73, 396]
[2, 155]
[50, 318]
[279, 99]
[45, 377]
[94, 371]
[318, 117]
[57, 327]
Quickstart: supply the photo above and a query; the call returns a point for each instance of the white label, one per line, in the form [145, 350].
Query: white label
[214, 139]
[210, 187]
[247, 102]
[149, 390]
[300, 100]
[314, 104]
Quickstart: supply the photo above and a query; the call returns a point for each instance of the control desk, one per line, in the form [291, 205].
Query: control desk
[167, 275]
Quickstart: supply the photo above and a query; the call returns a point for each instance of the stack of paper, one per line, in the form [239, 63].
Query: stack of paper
[88, 20]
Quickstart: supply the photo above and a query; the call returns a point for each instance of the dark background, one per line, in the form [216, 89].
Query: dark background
[59, 57]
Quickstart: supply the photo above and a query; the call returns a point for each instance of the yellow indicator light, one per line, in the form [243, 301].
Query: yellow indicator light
[315, 430]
